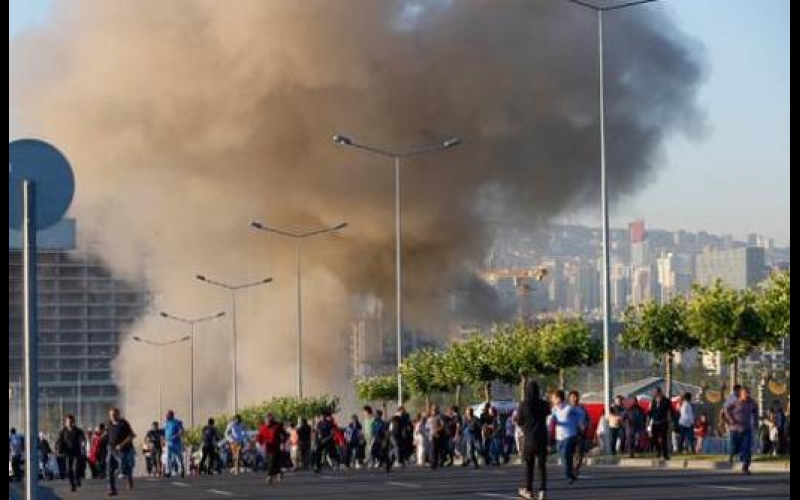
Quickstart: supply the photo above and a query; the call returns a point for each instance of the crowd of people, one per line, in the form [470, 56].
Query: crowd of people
[433, 439]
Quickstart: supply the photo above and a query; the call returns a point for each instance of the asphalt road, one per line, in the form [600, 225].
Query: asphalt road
[455, 483]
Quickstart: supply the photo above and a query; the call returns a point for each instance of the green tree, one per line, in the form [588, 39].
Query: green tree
[381, 388]
[660, 329]
[728, 321]
[456, 369]
[566, 343]
[476, 359]
[513, 352]
[422, 371]
[773, 305]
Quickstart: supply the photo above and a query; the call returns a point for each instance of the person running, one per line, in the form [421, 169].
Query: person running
[120, 450]
[686, 423]
[660, 416]
[390, 448]
[532, 417]
[472, 438]
[173, 437]
[378, 435]
[98, 450]
[616, 429]
[436, 431]
[271, 436]
[326, 448]
[406, 444]
[741, 415]
[236, 436]
[420, 439]
[208, 457]
[634, 421]
[71, 443]
[45, 450]
[153, 441]
[354, 436]
[582, 423]
[565, 422]
[304, 442]
[16, 448]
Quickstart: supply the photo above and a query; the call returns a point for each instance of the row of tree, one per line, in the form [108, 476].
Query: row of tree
[716, 318]
[509, 354]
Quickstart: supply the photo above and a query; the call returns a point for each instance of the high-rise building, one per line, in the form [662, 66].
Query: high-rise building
[587, 288]
[370, 335]
[643, 285]
[675, 275]
[83, 310]
[740, 268]
[640, 248]
[620, 287]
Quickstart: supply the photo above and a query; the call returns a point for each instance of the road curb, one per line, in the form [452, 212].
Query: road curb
[683, 463]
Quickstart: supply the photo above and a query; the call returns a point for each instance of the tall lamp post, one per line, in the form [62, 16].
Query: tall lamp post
[160, 345]
[233, 289]
[191, 322]
[398, 157]
[607, 376]
[299, 237]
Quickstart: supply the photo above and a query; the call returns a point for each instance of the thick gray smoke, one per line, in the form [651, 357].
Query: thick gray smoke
[187, 119]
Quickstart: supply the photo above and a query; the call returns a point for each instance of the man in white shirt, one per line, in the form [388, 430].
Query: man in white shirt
[236, 436]
[686, 425]
[566, 429]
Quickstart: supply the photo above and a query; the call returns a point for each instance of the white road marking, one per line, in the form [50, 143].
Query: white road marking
[220, 492]
[497, 495]
[405, 485]
[729, 488]
[176, 483]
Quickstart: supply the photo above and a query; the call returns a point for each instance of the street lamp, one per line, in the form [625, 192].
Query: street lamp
[156, 343]
[398, 157]
[191, 322]
[299, 237]
[233, 289]
[607, 389]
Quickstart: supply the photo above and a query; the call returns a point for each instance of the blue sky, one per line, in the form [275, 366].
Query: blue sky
[735, 180]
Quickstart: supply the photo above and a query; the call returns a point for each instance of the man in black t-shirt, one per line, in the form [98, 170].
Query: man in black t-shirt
[120, 450]
[208, 458]
[72, 444]
[154, 441]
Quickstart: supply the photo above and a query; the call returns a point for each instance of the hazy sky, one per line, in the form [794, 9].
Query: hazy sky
[733, 180]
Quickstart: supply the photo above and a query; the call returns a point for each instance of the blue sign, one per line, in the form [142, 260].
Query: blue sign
[54, 183]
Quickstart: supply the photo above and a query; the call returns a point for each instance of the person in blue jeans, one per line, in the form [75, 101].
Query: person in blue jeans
[120, 450]
[565, 421]
[742, 416]
[173, 435]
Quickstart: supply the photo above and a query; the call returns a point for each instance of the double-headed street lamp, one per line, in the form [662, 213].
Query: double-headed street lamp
[398, 157]
[233, 289]
[191, 322]
[299, 237]
[156, 343]
[607, 377]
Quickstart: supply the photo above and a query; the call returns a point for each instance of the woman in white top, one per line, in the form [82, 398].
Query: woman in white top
[686, 425]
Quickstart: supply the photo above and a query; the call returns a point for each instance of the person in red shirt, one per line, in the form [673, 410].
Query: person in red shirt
[700, 432]
[271, 435]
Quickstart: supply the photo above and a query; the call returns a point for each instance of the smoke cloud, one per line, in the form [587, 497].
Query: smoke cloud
[185, 120]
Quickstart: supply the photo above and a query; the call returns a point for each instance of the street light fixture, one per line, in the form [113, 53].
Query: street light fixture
[233, 289]
[607, 376]
[298, 237]
[398, 157]
[191, 322]
[156, 343]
